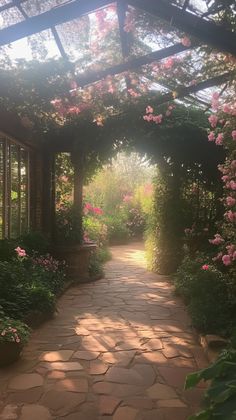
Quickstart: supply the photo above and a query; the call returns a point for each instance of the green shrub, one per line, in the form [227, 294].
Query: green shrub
[12, 330]
[97, 260]
[209, 294]
[220, 397]
[7, 249]
[118, 232]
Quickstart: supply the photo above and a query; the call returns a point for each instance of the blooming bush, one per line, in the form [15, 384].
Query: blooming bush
[209, 293]
[13, 331]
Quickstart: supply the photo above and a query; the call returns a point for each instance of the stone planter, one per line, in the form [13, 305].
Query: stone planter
[77, 260]
[9, 353]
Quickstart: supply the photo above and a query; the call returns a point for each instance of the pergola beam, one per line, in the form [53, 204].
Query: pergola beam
[53, 17]
[131, 64]
[182, 91]
[208, 32]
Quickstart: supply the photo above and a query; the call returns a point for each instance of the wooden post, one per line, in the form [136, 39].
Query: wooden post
[48, 205]
[78, 196]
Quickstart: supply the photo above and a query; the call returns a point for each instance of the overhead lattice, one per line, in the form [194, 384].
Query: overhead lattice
[101, 38]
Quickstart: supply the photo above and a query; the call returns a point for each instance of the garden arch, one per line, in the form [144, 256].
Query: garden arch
[112, 58]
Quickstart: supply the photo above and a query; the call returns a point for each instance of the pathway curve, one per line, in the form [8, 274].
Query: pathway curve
[118, 349]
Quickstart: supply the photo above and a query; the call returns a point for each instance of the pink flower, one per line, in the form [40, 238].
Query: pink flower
[186, 42]
[219, 139]
[205, 267]
[230, 201]
[217, 239]
[234, 134]
[232, 185]
[226, 109]
[230, 216]
[3, 333]
[149, 110]
[148, 117]
[213, 119]
[158, 118]
[211, 136]
[20, 252]
[169, 63]
[226, 260]
[215, 96]
[97, 210]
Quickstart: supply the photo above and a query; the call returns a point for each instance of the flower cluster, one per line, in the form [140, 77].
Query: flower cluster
[47, 262]
[13, 331]
[20, 252]
[88, 208]
[156, 118]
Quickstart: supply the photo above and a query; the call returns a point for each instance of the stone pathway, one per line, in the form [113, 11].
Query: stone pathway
[118, 349]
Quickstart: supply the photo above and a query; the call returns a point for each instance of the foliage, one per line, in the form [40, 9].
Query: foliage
[34, 242]
[220, 397]
[30, 284]
[97, 260]
[208, 293]
[117, 230]
[12, 330]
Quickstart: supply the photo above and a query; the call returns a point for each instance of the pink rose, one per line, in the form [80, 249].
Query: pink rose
[149, 110]
[234, 134]
[21, 252]
[226, 260]
[211, 136]
[185, 41]
[213, 119]
[219, 139]
[205, 267]
[230, 201]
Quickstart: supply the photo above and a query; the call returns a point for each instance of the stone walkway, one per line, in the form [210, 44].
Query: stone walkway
[118, 349]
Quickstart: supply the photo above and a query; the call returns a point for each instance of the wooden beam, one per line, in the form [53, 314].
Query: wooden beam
[183, 91]
[208, 32]
[131, 64]
[53, 17]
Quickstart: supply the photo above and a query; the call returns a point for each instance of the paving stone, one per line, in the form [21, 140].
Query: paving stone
[139, 403]
[9, 412]
[26, 381]
[35, 412]
[56, 374]
[62, 402]
[64, 366]
[161, 392]
[127, 413]
[175, 376]
[97, 368]
[153, 344]
[123, 376]
[57, 356]
[171, 403]
[72, 384]
[118, 358]
[86, 355]
[107, 405]
[27, 396]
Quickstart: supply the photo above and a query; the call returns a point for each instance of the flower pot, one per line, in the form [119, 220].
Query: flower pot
[77, 260]
[9, 352]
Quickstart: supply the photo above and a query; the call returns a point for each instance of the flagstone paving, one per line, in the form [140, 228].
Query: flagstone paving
[117, 349]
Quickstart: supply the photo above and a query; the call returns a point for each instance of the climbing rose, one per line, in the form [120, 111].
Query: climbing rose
[226, 260]
[217, 240]
[169, 63]
[149, 110]
[158, 119]
[186, 42]
[219, 139]
[226, 109]
[213, 119]
[211, 136]
[230, 216]
[234, 134]
[205, 267]
[232, 185]
[230, 201]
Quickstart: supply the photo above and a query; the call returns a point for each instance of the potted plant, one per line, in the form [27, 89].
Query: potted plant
[13, 335]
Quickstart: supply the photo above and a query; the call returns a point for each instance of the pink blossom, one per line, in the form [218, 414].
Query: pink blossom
[213, 119]
[219, 139]
[217, 239]
[205, 267]
[230, 248]
[230, 201]
[234, 134]
[211, 136]
[148, 117]
[218, 257]
[230, 216]
[225, 178]
[3, 333]
[234, 256]
[185, 41]
[149, 110]
[97, 210]
[215, 96]
[158, 118]
[127, 198]
[226, 260]
[232, 185]
[169, 63]
[20, 252]
[226, 109]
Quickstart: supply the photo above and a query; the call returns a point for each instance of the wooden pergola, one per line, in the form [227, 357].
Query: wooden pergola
[181, 15]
